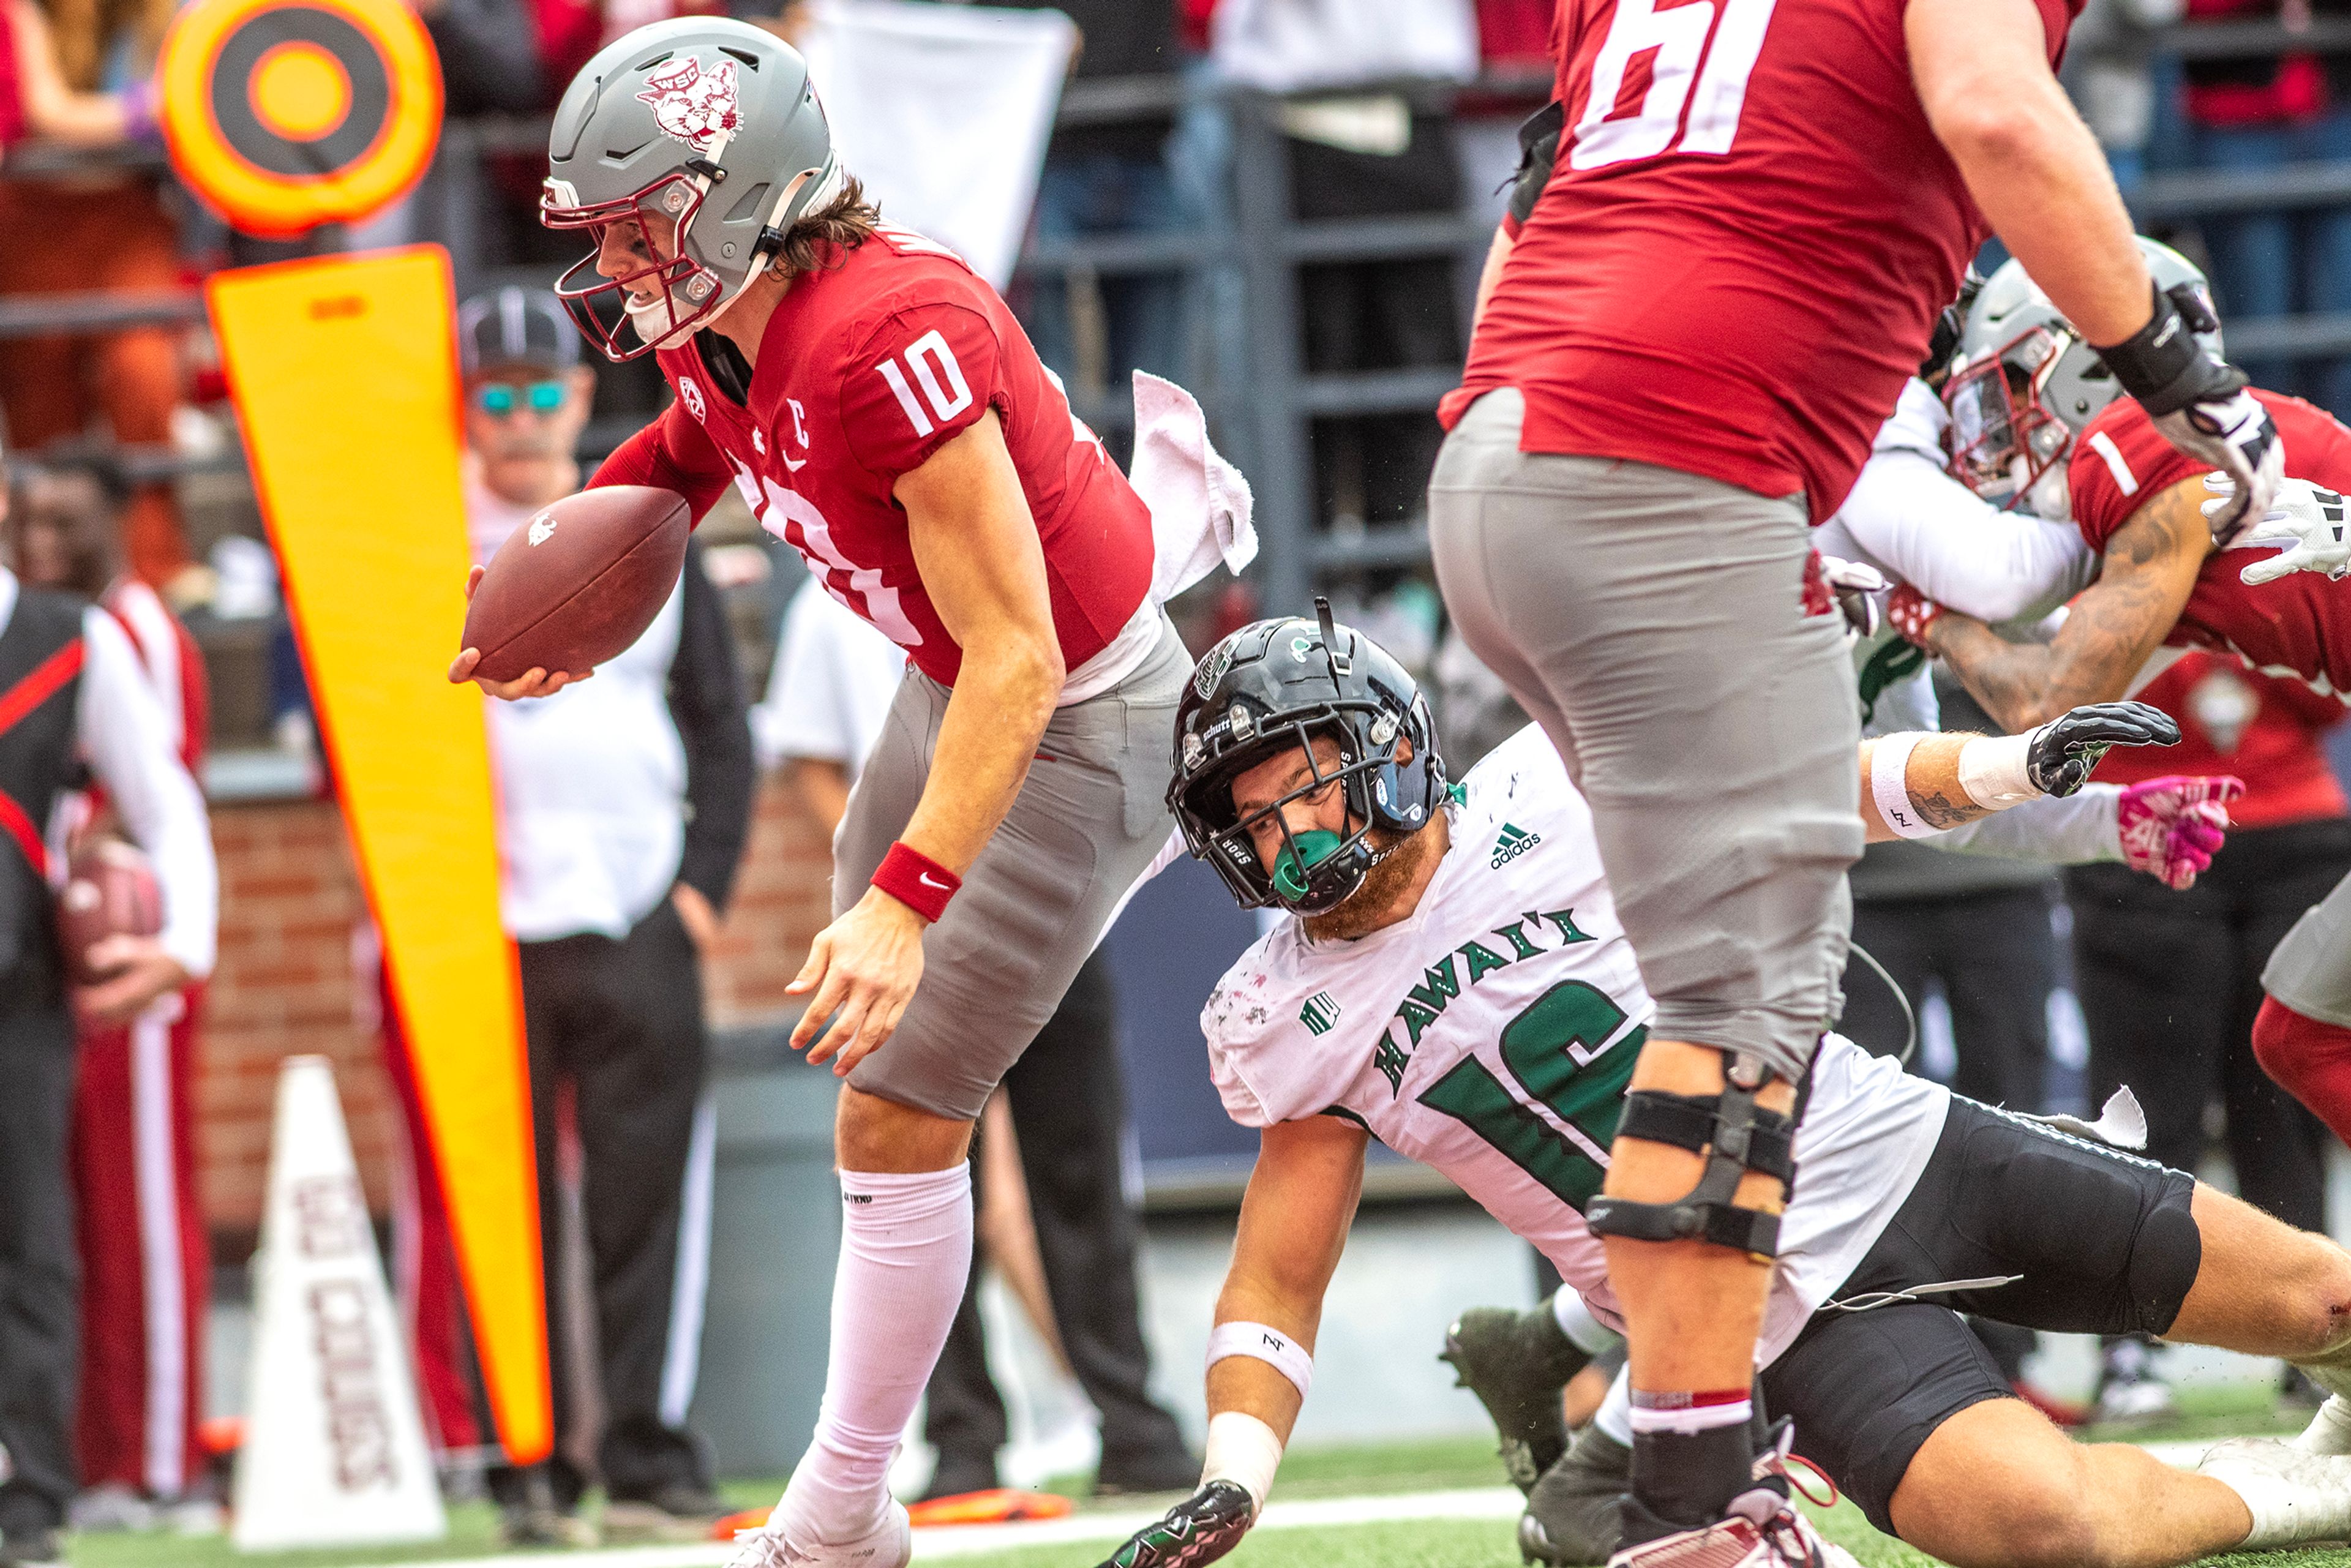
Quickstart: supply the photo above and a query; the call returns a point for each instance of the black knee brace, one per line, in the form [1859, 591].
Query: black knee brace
[1735, 1134]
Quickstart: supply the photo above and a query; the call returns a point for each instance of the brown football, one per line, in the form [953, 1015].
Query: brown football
[110, 890]
[578, 582]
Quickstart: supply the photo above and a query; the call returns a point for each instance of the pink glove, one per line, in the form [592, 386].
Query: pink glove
[2171, 827]
[1910, 612]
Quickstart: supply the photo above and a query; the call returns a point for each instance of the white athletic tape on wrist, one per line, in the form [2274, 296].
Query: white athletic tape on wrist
[1268, 1345]
[1243, 1450]
[1585, 1332]
[1993, 770]
[1890, 786]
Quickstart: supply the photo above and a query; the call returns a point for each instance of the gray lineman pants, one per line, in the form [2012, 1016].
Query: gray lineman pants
[2310, 971]
[1084, 826]
[1652, 622]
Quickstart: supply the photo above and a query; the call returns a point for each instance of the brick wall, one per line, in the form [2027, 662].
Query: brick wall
[289, 899]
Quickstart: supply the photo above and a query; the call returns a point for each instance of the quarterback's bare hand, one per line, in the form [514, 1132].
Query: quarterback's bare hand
[2065, 749]
[864, 965]
[534, 683]
[1199, 1529]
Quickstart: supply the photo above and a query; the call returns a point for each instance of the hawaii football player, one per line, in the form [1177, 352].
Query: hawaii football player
[882, 413]
[1452, 979]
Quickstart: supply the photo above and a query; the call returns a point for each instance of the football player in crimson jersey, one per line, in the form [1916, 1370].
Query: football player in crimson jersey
[882, 413]
[2039, 427]
[1666, 383]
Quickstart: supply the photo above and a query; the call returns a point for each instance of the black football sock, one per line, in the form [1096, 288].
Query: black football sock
[1681, 1481]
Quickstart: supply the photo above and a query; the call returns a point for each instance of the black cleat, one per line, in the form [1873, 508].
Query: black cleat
[1515, 1363]
[1575, 1514]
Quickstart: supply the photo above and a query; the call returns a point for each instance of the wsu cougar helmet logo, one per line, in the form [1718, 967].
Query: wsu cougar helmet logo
[693, 105]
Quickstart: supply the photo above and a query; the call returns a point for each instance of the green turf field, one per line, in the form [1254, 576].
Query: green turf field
[1371, 1471]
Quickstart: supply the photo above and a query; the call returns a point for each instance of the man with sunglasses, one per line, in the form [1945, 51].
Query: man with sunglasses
[622, 810]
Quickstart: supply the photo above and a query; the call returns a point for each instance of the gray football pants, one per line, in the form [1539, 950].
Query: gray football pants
[1086, 825]
[2311, 969]
[1653, 623]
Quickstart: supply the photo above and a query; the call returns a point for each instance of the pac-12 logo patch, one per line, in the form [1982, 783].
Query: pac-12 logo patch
[690, 394]
[694, 106]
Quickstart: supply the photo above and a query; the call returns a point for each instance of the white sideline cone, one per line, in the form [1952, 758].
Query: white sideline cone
[334, 1449]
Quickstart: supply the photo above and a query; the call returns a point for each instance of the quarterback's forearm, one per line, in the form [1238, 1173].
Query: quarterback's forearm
[1982, 68]
[996, 715]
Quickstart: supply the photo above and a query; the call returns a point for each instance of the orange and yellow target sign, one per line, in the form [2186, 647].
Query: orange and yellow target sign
[288, 114]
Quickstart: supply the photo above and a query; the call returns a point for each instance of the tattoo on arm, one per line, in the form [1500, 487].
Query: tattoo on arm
[1942, 811]
[2150, 568]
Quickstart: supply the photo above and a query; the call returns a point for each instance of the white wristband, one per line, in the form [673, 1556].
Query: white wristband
[1890, 786]
[1268, 1345]
[1243, 1450]
[1993, 770]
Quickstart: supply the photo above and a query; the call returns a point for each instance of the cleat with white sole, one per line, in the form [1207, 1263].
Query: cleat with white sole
[2296, 1498]
[2329, 1431]
[1761, 1529]
[890, 1546]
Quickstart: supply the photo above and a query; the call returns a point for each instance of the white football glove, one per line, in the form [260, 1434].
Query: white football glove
[2307, 519]
[1860, 592]
[2235, 434]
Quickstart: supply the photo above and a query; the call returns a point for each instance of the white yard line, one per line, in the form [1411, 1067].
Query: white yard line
[970, 1540]
[974, 1540]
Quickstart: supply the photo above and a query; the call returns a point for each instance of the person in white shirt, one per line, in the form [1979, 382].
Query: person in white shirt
[623, 805]
[73, 694]
[1452, 977]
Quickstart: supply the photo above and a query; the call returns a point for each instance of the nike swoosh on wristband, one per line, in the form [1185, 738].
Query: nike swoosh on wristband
[928, 880]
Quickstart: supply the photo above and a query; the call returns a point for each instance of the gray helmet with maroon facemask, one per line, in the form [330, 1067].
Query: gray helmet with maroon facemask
[2027, 384]
[709, 123]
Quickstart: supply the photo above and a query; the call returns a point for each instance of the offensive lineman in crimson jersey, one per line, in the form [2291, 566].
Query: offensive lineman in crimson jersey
[885, 415]
[1724, 266]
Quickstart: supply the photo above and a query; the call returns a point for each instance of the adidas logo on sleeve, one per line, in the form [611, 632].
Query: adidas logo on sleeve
[1511, 843]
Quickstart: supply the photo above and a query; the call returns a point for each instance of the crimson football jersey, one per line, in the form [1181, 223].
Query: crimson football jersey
[2299, 625]
[1745, 240]
[867, 367]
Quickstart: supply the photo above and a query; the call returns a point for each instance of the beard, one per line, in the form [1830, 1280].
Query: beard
[1404, 858]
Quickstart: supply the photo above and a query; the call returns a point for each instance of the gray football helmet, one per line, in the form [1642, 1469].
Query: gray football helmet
[2027, 384]
[701, 127]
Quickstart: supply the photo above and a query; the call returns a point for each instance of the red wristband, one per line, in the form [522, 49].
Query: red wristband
[916, 881]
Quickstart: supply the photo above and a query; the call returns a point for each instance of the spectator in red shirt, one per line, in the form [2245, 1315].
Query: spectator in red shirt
[2169, 982]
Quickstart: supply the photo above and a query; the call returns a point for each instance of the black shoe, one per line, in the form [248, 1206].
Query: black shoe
[1575, 1514]
[957, 1474]
[1515, 1363]
[678, 1511]
[1155, 1470]
[36, 1548]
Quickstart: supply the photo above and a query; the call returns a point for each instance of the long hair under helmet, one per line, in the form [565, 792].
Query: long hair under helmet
[708, 123]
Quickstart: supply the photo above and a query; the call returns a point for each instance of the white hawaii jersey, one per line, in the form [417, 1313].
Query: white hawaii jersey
[1490, 1036]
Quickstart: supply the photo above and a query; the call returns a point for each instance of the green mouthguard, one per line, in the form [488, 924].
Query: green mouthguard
[1313, 847]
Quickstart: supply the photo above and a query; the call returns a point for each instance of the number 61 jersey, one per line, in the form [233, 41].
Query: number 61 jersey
[1491, 1034]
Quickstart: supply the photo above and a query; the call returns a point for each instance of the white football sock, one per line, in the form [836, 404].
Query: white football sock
[905, 1252]
[2329, 1431]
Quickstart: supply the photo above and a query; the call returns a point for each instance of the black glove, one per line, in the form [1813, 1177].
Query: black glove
[2201, 405]
[2064, 751]
[1200, 1529]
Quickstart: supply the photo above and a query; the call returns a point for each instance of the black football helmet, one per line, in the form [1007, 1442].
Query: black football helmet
[1276, 684]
